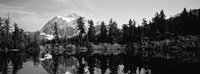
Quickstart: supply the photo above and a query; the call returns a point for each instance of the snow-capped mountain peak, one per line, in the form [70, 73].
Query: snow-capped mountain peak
[73, 15]
[66, 26]
[67, 19]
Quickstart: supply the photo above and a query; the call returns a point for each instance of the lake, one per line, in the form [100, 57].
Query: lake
[83, 63]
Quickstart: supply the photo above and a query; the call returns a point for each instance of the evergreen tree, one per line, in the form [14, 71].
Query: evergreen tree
[130, 22]
[198, 13]
[103, 33]
[155, 24]
[162, 26]
[113, 31]
[56, 33]
[1, 28]
[138, 34]
[170, 28]
[16, 36]
[146, 28]
[125, 33]
[7, 39]
[91, 31]
[184, 20]
[7, 27]
[116, 32]
[144, 22]
[81, 27]
[36, 40]
[132, 30]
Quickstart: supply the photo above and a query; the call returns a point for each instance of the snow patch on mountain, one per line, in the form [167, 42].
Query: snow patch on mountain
[67, 19]
[47, 36]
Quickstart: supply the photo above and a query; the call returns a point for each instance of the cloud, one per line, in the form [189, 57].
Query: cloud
[13, 9]
[29, 21]
[49, 6]
[77, 3]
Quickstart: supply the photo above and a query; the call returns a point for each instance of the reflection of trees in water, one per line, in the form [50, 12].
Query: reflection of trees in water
[32, 54]
[91, 63]
[100, 61]
[80, 57]
[103, 63]
[17, 62]
[4, 62]
[114, 61]
[130, 62]
[55, 61]
[35, 58]
[14, 57]
[60, 63]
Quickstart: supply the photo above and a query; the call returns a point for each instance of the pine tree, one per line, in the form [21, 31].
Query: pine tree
[1, 28]
[36, 40]
[16, 36]
[132, 30]
[170, 28]
[130, 22]
[103, 33]
[116, 32]
[81, 27]
[125, 33]
[56, 32]
[145, 27]
[162, 25]
[113, 31]
[91, 31]
[7, 39]
[155, 23]
[184, 21]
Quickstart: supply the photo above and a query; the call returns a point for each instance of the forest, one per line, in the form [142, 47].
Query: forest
[177, 32]
[159, 28]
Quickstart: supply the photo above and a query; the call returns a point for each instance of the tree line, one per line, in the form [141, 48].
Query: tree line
[184, 23]
[16, 38]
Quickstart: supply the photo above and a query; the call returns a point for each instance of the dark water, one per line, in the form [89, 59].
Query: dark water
[13, 62]
[29, 63]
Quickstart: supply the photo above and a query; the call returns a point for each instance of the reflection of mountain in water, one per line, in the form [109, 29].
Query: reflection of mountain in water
[61, 65]
[95, 64]
[124, 63]
[48, 66]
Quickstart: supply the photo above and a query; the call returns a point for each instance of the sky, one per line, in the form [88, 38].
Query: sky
[32, 15]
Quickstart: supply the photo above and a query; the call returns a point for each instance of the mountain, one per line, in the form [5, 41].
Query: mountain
[66, 26]
[97, 28]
